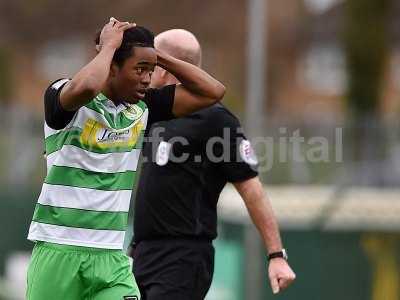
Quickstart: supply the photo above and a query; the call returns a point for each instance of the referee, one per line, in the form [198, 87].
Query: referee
[175, 211]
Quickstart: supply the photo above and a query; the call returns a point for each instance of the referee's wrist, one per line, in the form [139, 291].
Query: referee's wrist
[278, 254]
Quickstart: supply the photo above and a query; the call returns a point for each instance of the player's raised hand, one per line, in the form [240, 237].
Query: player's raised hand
[280, 274]
[112, 33]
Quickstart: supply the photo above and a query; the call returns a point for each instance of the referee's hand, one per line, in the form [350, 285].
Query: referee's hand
[280, 274]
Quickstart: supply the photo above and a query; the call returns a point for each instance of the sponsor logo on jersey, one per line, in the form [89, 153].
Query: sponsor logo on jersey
[109, 136]
[131, 298]
[98, 135]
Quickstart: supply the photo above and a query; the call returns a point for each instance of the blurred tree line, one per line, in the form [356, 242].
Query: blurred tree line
[366, 40]
[5, 75]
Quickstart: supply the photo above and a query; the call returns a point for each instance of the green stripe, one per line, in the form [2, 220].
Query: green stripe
[102, 98]
[142, 105]
[118, 122]
[69, 176]
[73, 137]
[79, 218]
[109, 117]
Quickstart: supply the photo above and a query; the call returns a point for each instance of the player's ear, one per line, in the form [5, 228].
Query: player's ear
[114, 69]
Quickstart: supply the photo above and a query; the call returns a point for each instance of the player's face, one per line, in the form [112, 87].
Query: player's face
[130, 82]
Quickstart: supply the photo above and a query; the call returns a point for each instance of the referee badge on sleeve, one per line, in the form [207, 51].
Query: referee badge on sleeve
[247, 153]
[162, 154]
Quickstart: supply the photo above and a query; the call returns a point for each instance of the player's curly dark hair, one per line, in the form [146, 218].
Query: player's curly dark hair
[137, 36]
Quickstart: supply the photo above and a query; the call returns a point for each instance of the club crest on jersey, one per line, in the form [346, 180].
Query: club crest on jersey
[162, 154]
[247, 153]
[133, 112]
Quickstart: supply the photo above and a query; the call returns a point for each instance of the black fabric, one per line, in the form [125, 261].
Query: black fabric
[180, 199]
[160, 103]
[173, 269]
[56, 117]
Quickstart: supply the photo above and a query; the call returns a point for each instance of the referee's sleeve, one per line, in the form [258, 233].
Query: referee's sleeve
[55, 115]
[240, 162]
[160, 103]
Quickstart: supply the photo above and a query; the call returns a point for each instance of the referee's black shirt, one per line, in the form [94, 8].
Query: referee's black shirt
[177, 197]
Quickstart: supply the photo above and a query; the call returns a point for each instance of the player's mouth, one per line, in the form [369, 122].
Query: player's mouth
[141, 93]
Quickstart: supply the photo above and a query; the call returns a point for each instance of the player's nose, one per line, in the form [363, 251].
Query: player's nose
[146, 79]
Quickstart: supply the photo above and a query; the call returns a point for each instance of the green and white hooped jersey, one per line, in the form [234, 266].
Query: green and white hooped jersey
[91, 171]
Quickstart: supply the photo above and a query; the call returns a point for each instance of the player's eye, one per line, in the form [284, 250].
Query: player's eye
[139, 70]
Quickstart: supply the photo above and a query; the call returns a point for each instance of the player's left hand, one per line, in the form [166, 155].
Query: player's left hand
[112, 33]
[280, 274]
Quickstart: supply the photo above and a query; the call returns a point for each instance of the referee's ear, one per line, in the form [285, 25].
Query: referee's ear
[164, 74]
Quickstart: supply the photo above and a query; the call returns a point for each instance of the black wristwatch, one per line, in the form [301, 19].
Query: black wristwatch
[281, 254]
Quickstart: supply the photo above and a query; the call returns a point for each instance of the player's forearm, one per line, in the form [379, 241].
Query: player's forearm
[262, 215]
[192, 78]
[89, 81]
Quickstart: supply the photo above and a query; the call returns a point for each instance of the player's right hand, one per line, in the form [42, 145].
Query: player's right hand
[112, 33]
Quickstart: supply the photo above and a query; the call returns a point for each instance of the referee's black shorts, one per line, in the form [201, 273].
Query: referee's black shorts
[173, 269]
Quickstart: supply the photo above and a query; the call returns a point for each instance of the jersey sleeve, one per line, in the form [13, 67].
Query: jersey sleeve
[160, 103]
[239, 161]
[55, 115]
